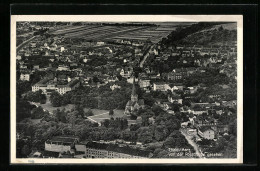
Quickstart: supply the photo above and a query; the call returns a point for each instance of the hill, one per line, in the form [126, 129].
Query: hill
[222, 34]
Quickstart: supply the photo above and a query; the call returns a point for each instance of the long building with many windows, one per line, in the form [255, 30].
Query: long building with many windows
[49, 85]
[99, 150]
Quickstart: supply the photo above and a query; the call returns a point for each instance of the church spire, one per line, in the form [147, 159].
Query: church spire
[134, 96]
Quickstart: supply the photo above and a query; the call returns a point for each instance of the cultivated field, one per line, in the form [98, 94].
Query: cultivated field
[108, 33]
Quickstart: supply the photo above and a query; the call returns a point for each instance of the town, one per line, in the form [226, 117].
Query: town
[126, 90]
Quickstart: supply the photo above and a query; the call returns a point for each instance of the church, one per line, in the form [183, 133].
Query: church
[134, 104]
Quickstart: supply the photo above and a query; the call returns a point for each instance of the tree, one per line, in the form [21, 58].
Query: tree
[106, 123]
[37, 113]
[71, 117]
[186, 103]
[134, 127]
[89, 113]
[145, 137]
[111, 112]
[80, 110]
[55, 99]
[60, 115]
[25, 150]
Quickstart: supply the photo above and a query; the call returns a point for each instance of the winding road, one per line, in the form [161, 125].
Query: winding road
[192, 143]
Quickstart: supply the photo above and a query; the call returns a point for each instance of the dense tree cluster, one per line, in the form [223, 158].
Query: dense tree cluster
[115, 123]
[208, 78]
[37, 97]
[181, 32]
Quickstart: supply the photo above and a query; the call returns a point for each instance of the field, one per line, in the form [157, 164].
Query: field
[112, 33]
[47, 106]
[99, 115]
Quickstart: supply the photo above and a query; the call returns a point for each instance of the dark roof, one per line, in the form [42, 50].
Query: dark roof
[50, 154]
[116, 148]
[204, 128]
[73, 83]
[68, 139]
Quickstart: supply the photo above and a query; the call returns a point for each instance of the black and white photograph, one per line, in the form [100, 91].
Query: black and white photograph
[126, 89]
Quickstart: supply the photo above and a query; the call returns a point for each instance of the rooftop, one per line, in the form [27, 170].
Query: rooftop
[68, 139]
[116, 148]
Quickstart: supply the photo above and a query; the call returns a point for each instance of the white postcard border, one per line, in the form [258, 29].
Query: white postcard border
[127, 18]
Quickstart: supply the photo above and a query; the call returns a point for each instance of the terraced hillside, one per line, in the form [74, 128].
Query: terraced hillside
[108, 33]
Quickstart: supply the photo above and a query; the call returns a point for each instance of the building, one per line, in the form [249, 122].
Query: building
[25, 77]
[48, 85]
[113, 87]
[100, 150]
[18, 57]
[160, 86]
[206, 132]
[61, 143]
[134, 103]
[126, 73]
[174, 98]
[177, 74]
[63, 68]
[144, 83]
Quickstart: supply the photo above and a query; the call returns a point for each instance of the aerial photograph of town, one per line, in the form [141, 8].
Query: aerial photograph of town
[110, 90]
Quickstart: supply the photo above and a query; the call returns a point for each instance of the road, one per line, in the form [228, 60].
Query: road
[192, 143]
[24, 43]
[145, 57]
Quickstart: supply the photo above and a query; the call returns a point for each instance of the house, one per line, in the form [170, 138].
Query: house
[222, 129]
[36, 67]
[192, 90]
[126, 73]
[167, 106]
[176, 86]
[177, 74]
[23, 66]
[174, 98]
[159, 86]
[113, 87]
[100, 43]
[61, 143]
[199, 111]
[62, 68]
[25, 77]
[18, 57]
[206, 132]
[144, 83]
[112, 79]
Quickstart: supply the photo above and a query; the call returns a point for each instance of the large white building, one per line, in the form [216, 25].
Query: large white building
[99, 150]
[61, 143]
[48, 85]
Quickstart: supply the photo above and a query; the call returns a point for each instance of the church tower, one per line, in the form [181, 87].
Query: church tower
[134, 96]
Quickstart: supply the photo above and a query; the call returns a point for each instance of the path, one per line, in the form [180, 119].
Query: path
[145, 57]
[89, 118]
[24, 43]
[192, 143]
